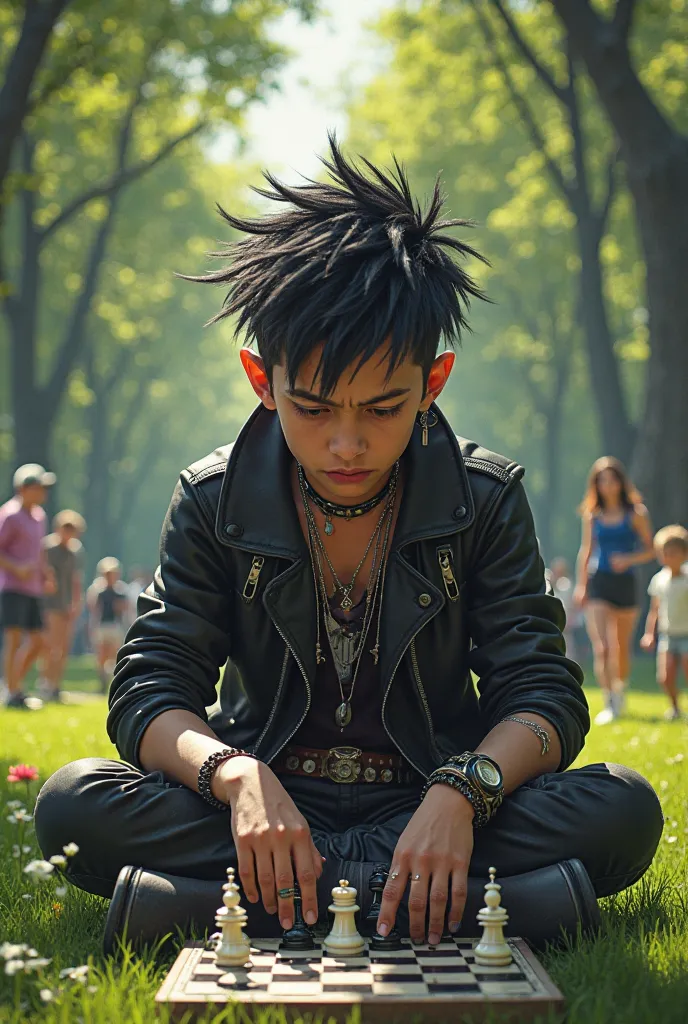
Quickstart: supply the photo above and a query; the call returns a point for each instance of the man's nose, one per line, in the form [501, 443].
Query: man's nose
[347, 443]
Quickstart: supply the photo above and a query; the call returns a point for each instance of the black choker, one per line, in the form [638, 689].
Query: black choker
[331, 508]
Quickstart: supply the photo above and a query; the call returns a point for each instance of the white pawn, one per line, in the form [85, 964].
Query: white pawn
[344, 939]
[233, 948]
[492, 950]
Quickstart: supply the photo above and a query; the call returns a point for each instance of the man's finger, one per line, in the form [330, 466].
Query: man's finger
[391, 897]
[305, 873]
[266, 879]
[439, 893]
[418, 903]
[458, 896]
[247, 873]
[284, 883]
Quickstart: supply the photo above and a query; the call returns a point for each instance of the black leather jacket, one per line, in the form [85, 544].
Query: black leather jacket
[465, 592]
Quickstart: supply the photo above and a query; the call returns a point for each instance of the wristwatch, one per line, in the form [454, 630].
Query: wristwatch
[482, 773]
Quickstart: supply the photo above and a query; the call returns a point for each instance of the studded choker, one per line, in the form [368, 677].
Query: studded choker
[331, 508]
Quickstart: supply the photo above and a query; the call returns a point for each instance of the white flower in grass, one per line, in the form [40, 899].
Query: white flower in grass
[58, 860]
[14, 805]
[37, 963]
[61, 890]
[671, 839]
[46, 995]
[39, 870]
[16, 851]
[26, 849]
[27, 896]
[76, 973]
[71, 849]
[92, 988]
[12, 967]
[21, 814]
[11, 950]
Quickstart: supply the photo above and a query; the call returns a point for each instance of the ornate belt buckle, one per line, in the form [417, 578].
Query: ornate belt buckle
[342, 764]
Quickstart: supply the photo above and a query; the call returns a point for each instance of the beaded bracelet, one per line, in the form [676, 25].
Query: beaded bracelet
[457, 780]
[208, 769]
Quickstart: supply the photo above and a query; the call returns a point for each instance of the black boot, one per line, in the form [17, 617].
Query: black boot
[147, 906]
[543, 905]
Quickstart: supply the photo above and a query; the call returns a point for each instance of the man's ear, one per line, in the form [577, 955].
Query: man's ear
[437, 378]
[255, 371]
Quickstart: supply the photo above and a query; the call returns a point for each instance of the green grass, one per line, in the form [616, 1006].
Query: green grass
[635, 972]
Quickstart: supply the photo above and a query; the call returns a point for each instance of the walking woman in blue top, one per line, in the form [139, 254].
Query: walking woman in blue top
[617, 536]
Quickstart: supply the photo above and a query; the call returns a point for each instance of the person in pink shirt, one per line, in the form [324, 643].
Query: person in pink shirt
[24, 578]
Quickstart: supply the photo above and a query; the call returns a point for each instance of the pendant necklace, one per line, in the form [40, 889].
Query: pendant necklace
[331, 508]
[347, 648]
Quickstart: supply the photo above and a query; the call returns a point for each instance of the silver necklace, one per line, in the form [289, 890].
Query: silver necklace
[347, 657]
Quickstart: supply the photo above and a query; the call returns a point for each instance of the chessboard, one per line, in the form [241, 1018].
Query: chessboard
[432, 983]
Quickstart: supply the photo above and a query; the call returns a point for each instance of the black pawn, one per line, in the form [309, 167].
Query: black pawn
[377, 883]
[299, 936]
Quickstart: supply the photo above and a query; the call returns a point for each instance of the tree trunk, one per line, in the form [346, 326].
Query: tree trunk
[615, 430]
[656, 158]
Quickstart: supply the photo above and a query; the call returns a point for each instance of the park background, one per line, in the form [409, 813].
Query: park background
[558, 126]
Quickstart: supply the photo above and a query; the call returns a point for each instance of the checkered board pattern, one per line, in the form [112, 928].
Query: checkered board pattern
[437, 982]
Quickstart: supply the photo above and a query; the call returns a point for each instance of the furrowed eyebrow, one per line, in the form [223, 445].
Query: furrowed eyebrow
[310, 397]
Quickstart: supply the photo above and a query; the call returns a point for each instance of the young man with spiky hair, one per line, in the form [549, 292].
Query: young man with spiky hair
[350, 563]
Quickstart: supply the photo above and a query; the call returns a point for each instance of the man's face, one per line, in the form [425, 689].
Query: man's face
[348, 442]
[33, 494]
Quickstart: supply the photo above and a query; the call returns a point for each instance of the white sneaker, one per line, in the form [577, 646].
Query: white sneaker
[672, 715]
[605, 716]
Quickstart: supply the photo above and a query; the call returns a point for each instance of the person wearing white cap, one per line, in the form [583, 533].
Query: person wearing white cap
[24, 578]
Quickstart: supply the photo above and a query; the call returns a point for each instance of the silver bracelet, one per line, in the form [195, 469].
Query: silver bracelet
[541, 733]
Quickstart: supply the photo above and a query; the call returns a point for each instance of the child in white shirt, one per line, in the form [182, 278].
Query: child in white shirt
[668, 590]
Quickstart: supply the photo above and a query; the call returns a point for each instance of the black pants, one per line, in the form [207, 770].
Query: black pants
[606, 815]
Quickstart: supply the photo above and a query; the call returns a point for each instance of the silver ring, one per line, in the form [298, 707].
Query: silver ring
[285, 894]
[395, 874]
[415, 878]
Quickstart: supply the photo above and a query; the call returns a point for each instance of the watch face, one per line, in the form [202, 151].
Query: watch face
[488, 775]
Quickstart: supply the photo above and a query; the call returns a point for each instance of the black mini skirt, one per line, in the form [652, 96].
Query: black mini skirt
[617, 588]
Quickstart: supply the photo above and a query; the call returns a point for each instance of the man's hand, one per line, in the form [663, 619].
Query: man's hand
[647, 641]
[437, 845]
[24, 570]
[271, 836]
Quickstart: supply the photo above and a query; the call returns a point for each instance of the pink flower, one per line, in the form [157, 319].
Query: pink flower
[22, 773]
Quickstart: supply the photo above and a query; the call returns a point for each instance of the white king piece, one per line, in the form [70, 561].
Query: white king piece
[492, 950]
[233, 948]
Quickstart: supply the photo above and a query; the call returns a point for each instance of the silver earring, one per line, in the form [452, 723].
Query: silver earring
[427, 420]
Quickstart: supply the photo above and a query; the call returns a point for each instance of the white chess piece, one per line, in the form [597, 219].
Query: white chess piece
[233, 948]
[492, 950]
[344, 939]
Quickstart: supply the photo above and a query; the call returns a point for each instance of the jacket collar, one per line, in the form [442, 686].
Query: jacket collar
[256, 511]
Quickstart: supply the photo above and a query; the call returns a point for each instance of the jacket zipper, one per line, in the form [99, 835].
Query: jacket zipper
[421, 690]
[298, 725]
[445, 557]
[275, 702]
[422, 697]
[251, 584]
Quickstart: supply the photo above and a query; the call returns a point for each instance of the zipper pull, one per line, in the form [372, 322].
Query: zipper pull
[251, 584]
[445, 557]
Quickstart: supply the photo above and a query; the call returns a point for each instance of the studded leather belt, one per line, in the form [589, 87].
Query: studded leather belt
[345, 765]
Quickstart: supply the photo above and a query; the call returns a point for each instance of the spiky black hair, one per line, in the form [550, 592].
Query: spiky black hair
[352, 264]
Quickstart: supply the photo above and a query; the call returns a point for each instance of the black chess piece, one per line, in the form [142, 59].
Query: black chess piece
[299, 936]
[377, 883]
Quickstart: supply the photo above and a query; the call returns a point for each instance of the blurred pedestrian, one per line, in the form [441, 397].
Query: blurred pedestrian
[25, 577]
[562, 584]
[108, 601]
[64, 553]
[616, 537]
[137, 583]
[668, 612]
